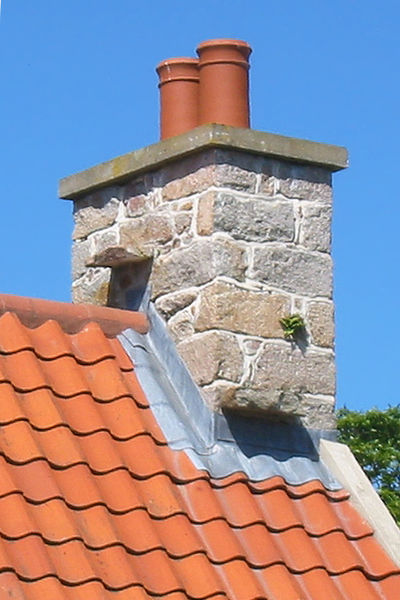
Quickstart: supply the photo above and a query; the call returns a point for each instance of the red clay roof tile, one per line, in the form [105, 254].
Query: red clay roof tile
[49, 341]
[95, 505]
[317, 517]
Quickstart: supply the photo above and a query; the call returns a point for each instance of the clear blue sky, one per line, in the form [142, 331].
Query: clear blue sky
[78, 87]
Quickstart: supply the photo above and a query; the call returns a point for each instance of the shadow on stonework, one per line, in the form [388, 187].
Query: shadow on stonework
[255, 435]
[128, 285]
[301, 340]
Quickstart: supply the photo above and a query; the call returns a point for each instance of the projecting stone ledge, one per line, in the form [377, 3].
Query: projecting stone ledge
[124, 167]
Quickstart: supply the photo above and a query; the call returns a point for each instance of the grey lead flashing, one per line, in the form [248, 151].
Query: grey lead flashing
[221, 444]
[167, 384]
[123, 167]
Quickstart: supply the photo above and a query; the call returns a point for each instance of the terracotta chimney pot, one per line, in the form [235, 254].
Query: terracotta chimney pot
[179, 88]
[224, 82]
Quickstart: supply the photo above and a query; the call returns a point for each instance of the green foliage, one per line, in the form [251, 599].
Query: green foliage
[292, 325]
[374, 438]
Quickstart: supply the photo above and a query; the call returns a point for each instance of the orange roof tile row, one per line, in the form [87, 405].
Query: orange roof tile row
[200, 500]
[95, 505]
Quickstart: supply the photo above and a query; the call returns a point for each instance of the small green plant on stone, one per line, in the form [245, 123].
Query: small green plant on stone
[292, 325]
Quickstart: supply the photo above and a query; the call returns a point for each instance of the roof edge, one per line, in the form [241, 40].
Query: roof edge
[32, 312]
[121, 168]
[344, 467]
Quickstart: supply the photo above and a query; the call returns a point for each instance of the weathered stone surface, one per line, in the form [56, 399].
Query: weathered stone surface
[190, 184]
[251, 346]
[267, 185]
[144, 234]
[305, 190]
[212, 355]
[304, 182]
[107, 238]
[315, 412]
[254, 220]
[320, 320]
[319, 412]
[294, 270]
[180, 326]
[289, 383]
[226, 306]
[80, 256]
[114, 256]
[235, 177]
[260, 399]
[182, 221]
[180, 205]
[205, 214]
[97, 211]
[171, 303]
[315, 232]
[219, 394]
[249, 219]
[137, 206]
[284, 367]
[220, 175]
[93, 287]
[196, 264]
[186, 165]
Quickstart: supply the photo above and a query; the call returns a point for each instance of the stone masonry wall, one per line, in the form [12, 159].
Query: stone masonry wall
[237, 241]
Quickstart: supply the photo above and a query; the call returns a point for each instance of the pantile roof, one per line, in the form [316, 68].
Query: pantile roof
[94, 503]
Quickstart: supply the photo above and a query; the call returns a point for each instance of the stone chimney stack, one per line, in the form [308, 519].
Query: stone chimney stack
[229, 230]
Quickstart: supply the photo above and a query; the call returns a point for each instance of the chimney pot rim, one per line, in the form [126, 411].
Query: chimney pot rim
[179, 60]
[227, 42]
[178, 69]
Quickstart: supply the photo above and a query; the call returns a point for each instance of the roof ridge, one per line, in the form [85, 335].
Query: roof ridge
[33, 312]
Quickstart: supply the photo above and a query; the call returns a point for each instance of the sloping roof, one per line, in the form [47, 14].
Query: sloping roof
[94, 503]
